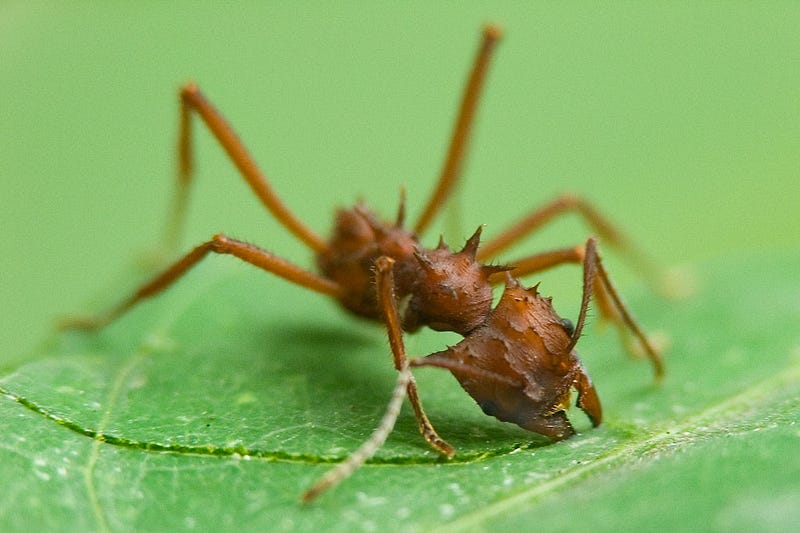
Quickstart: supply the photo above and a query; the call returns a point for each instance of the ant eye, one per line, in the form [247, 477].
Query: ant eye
[488, 407]
[567, 324]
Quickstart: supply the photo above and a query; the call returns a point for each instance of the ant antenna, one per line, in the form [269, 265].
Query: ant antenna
[343, 470]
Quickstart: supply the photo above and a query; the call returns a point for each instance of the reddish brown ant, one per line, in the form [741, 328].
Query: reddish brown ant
[516, 359]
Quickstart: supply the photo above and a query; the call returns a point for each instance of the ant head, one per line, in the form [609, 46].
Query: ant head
[454, 293]
[524, 309]
[518, 367]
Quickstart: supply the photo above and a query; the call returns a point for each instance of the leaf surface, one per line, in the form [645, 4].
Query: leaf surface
[195, 411]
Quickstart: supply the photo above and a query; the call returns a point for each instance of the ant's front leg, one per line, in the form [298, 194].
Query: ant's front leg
[219, 244]
[384, 279]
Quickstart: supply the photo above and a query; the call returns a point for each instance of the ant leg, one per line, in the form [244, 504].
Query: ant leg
[609, 301]
[192, 100]
[460, 136]
[561, 205]
[539, 262]
[384, 278]
[219, 244]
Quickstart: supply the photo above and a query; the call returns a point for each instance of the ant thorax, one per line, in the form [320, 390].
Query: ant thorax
[438, 288]
[449, 291]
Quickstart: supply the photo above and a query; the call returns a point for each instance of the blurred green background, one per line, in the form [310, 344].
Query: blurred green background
[681, 120]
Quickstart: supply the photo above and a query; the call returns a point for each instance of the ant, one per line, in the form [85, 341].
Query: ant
[516, 360]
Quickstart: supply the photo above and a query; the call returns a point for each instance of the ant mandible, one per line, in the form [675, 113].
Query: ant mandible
[516, 360]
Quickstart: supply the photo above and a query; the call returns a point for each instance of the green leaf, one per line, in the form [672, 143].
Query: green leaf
[677, 120]
[191, 411]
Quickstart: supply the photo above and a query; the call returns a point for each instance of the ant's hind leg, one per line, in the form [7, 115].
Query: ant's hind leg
[456, 153]
[388, 304]
[219, 244]
[193, 101]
